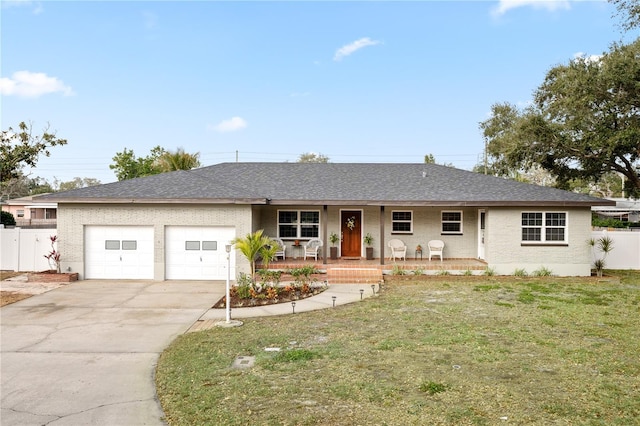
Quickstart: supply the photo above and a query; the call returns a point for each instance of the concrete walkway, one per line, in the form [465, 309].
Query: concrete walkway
[85, 353]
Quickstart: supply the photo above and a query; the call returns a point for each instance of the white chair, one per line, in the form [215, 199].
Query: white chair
[312, 248]
[398, 249]
[282, 248]
[436, 247]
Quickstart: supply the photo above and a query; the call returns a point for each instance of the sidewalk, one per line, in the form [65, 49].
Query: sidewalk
[336, 295]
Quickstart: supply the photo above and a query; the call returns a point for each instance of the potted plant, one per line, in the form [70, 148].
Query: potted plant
[333, 250]
[368, 240]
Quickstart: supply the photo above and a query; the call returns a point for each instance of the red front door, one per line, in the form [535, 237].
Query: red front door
[351, 228]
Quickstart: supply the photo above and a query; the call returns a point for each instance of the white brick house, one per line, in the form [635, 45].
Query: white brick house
[175, 225]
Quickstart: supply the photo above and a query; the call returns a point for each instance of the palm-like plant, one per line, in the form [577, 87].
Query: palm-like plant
[254, 246]
[179, 160]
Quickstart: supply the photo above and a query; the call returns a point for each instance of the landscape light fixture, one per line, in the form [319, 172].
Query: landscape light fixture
[293, 307]
[373, 289]
[334, 300]
[361, 293]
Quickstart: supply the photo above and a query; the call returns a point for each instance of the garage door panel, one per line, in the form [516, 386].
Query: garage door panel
[119, 252]
[198, 253]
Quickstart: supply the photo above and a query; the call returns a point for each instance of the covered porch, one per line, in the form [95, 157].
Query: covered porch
[361, 270]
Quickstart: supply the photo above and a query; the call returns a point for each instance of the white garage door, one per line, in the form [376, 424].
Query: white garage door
[198, 253]
[119, 252]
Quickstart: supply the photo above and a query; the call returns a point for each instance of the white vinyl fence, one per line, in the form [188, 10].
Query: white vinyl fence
[24, 249]
[626, 249]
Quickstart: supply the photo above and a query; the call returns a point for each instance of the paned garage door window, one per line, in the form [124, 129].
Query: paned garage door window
[125, 244]
[196, 245]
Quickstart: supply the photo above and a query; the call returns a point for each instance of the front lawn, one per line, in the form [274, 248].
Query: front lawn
[439, 352]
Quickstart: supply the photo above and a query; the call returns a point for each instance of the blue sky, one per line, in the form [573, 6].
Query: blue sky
[355, 81]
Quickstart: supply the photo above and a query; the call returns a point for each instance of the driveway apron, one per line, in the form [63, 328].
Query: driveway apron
[85, 353]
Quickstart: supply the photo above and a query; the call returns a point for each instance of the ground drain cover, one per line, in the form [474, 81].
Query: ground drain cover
[244, 362]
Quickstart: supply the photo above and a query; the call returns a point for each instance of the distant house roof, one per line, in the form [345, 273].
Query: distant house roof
[326, 183]
[28, 202]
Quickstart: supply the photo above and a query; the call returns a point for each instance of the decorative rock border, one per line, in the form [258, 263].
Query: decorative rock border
[52, 277]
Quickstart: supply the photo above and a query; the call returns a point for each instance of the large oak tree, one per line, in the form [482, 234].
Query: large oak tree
[584, 122]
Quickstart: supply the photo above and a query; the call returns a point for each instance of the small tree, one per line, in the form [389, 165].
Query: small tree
[604, 245]
[54, 256]
[254, 246]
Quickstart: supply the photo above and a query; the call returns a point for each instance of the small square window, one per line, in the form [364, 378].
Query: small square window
[192, 245]
[209, 245]
[112, 245]
[129, 245]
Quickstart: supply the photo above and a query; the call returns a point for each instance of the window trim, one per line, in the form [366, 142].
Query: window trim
[410, 221]
[543, 229]
[461, 222]
[298, 224]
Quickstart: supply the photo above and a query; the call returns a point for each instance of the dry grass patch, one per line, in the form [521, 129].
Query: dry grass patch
[539, 351]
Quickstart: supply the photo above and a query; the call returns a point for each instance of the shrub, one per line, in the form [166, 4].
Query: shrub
[542, 272]
[303, 274]
[418, 271]
[489, 272]
[7, 219]
[520, 272]
[397, 270]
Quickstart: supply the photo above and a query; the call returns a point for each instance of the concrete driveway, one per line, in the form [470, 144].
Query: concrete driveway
[85, 353]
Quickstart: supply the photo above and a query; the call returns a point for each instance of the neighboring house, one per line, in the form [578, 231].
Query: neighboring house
[175, 225]
[624, 209]
[30, 214]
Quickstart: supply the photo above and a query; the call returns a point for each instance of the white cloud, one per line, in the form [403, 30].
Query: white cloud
[589, 59]
[27, 84]
[230, 125]
[348, 49]
[505, 5]
[36, 6]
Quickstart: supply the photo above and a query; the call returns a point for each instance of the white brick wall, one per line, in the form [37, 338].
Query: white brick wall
[505, 252]
[73, 218]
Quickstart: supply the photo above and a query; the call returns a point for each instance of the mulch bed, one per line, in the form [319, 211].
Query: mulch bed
[284, 296]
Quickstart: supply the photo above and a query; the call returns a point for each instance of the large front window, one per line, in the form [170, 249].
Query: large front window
[402, 222]
[544, 227]
[451, 222]
[298, 223]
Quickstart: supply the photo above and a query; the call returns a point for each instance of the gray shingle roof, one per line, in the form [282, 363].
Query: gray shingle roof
[327, 183]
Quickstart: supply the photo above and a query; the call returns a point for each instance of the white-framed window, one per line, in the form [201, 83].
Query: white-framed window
[298, 223]
[544, 227]
[451, 221]
[20, 213]
[401, 221]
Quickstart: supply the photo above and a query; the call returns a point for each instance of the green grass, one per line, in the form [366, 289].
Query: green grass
[537, 351]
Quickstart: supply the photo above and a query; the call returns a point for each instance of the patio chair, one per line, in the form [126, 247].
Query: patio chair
[282, 248]
[312, 248]
[436, 247]
[398, 249]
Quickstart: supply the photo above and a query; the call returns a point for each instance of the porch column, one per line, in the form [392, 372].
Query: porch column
[325, 225]
[382, 235]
